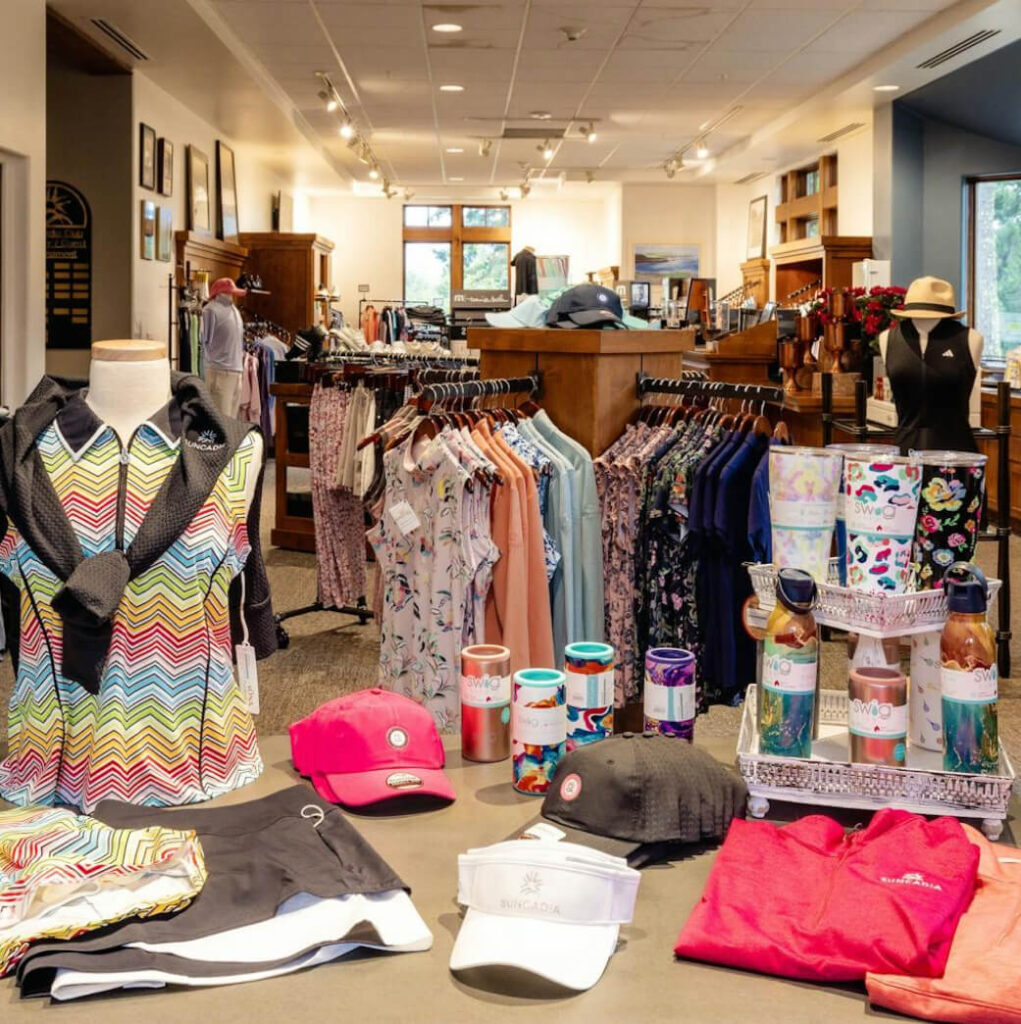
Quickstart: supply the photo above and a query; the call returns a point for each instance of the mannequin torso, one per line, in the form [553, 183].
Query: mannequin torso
[976, 343]
[128, 382]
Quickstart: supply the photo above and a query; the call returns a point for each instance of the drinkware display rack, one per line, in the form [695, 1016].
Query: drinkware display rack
[861, 430]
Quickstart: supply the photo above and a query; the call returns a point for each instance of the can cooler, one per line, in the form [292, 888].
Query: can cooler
[881, 508]
[951, 510]
[485, 702]
[589, 671]
[840, 527]
[877, 716]
[925, 703]
[803, 486]
[670, 692]
[538, 727]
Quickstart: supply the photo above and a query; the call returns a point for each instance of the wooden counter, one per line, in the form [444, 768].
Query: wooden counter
[992, 484]
[588, 375]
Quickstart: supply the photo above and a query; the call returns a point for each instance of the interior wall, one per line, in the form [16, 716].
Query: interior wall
[367, 233]
[854, 183]
[23, 221]
[88, 136]
[668, 214]
[732, 202]
[256, 184]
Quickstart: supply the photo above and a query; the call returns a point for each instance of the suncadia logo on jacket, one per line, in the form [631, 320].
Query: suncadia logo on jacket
[912, 878]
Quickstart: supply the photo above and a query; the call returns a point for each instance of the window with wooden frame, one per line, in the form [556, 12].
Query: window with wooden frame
[450, 248]
[993, 256]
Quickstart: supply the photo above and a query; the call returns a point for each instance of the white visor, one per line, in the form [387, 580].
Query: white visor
[553, 909]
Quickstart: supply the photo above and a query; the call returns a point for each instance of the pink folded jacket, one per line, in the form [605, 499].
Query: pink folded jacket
[982, 980]
[808, 901]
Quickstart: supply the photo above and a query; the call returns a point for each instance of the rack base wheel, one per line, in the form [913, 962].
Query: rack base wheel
[283, 637]
[992, 828]
[758, 806]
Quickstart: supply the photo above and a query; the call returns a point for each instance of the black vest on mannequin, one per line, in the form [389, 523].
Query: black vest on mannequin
[932, 392]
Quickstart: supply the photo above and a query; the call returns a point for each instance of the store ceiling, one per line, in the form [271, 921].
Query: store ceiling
[649, 75]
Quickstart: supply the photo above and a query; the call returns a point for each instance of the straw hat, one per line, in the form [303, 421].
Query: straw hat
[929, 298]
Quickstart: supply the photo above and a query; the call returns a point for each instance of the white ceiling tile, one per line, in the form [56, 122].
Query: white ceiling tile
[715, 66]
[867, 32]
[493, 66]
[549, 65]
[598, 32]
[782, 31]
[664, 28]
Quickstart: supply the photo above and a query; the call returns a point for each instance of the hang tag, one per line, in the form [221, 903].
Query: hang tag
[248, 676]
[404, 518]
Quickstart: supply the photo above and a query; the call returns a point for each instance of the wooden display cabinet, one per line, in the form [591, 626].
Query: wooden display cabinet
[755, 280]
[828, 259]
[292, 267]
[807, 204]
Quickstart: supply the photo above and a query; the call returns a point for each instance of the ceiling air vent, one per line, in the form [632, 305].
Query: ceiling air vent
[853, 126]
[958, 48]
[749, 178]
[118, 37]
[533, 133]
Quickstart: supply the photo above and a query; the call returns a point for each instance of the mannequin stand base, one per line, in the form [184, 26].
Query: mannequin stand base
[359, 610]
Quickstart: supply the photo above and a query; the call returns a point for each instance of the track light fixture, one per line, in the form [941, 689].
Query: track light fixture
[670, 167]
[525, 189]
[590, 176]
[701, 149]
[485, 146]
[504, 195]
[408, 195]
[374, 173]
[589, 132]
[547, 150]
[346, 130]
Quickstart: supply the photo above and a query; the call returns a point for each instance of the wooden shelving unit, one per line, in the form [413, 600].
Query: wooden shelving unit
[807, 206]
[292, 267]
[827, 259]
[293, 526]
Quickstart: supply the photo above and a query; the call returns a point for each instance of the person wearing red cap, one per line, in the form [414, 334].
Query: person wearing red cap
[222, 343]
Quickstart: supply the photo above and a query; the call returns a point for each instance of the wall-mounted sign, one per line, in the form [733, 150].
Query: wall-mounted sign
[481, 298]
[68, 267]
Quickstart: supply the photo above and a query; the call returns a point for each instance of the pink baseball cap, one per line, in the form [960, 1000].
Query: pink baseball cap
[370, 746]
[225, 286]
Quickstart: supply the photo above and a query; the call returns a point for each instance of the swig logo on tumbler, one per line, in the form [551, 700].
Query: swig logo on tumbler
[485, 702]
[589, 670]
[538, 727]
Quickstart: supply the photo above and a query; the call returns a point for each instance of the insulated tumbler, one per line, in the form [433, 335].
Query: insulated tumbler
[538, 727]
[485, 702]
[670, 692]
[878, 716]
[589, 671]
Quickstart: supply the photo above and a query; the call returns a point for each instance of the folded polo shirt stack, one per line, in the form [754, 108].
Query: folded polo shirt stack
[290, 884]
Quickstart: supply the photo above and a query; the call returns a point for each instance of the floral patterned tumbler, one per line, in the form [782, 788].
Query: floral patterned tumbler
[803, 485]
[670, 692]
[538, 727]
[950, 514]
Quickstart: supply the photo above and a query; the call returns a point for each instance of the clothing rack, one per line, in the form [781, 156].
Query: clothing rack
[708, 389]
[861, 430]
[481, 388]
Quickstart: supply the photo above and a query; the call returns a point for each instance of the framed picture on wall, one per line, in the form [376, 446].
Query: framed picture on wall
[146, 156]
[227, 193]
[164, 233]
[199, 201]
[148, 229]
[756, 229]
[165, 166]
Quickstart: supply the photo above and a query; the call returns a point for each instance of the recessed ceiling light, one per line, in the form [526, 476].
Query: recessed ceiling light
[446, 26]
[451, 88]
[454, 149]
[455, 179]
[540, 115]
[885, 88]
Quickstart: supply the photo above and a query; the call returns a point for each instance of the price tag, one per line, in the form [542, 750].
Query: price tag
[404, 518]
[248, 676]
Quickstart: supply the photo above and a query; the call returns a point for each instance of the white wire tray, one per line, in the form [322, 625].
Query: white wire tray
[873, 614]
[830, 779]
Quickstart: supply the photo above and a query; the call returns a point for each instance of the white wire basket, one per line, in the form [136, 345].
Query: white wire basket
[830, 779]
[859, 611]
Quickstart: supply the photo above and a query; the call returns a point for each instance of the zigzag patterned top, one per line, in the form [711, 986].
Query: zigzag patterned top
[169, 725]
[62, 875]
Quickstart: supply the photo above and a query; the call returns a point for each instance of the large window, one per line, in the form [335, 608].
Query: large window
[453, 248]
[994, 262]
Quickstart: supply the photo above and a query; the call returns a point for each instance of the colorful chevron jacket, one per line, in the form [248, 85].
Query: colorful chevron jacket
[123, 558]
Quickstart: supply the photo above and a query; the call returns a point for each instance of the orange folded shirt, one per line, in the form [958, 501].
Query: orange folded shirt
[982, 980]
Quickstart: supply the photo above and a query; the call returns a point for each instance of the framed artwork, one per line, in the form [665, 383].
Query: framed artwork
[164, 233]
[227, 194]
[658, 261]
[146, 156]
[199, 213]
[165, 167]
[148, 229]
[756, 229]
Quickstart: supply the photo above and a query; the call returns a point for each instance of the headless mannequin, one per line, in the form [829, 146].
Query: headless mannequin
[129, 381]
[975, 344]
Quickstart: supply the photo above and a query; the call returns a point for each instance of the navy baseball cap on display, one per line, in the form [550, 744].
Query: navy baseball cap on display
[586, 305]
[639, 796]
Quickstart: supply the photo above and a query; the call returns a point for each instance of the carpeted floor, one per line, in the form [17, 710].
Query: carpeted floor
[330, 654]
